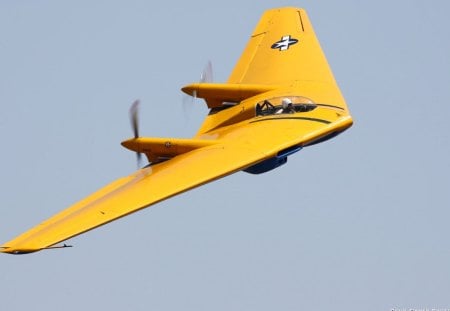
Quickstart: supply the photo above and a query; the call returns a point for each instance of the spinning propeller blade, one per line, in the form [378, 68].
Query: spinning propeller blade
[207, 73]
[206, 76]
[134, 118]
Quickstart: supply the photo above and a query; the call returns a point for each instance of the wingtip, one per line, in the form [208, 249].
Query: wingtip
[12, 251]
[16, 251]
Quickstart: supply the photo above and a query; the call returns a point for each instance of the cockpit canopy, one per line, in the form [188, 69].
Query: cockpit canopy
[284, 104]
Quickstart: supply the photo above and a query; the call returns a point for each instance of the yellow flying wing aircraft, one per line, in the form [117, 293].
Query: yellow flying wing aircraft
[280, 97]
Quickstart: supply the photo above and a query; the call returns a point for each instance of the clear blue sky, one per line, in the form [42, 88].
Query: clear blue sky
[366, 227]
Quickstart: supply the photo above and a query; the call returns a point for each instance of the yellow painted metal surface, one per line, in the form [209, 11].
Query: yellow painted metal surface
[300, 64]
[215, 94]
[283, 59]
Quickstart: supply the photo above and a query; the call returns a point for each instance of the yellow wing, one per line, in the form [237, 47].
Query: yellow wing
[283, 60]
[236, 149]
[284, 50]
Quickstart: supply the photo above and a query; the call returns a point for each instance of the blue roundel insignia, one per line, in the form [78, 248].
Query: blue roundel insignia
[284, 43]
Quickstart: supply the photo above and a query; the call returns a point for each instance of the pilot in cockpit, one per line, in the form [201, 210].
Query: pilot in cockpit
[286, 106]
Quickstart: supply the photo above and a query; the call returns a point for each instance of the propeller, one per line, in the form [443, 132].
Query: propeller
[206, 76]
[134, 118]
[207, 73]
